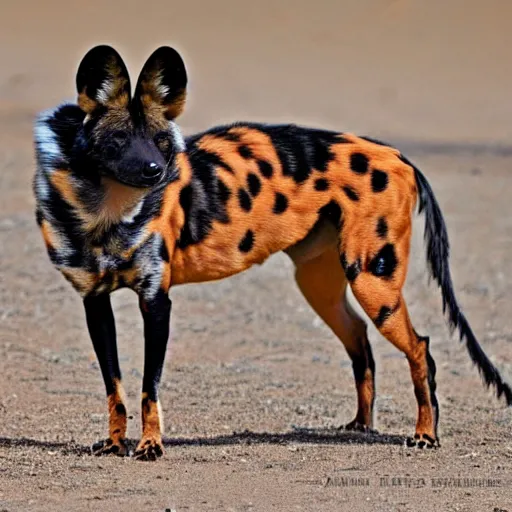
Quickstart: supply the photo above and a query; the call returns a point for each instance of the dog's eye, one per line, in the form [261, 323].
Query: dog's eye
[163, 141]
[119, 135]
[114, 144]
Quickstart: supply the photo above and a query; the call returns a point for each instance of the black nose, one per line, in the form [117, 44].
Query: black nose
[152, 170]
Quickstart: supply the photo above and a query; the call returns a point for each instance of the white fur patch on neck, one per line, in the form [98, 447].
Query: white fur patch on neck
[178, 140]
[47, 145]
[129, 217]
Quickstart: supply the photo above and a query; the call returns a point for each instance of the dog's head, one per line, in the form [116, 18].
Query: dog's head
[132, 140]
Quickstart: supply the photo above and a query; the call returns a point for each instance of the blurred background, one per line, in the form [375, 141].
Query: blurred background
[437, 70]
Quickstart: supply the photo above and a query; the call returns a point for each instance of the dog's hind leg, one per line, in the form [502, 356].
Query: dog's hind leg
[377, 276]
[323, 284]
[100, 321]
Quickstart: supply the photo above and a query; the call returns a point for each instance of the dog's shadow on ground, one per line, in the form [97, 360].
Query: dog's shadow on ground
[326, 436]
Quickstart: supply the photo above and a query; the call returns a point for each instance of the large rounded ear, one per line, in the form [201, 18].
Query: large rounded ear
[102, 80]
[162, 83]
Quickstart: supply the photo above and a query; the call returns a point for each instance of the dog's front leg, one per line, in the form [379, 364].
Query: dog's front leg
[102, 329]
[156, 313]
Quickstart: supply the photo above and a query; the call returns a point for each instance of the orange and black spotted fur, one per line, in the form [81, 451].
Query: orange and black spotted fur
[123, 200]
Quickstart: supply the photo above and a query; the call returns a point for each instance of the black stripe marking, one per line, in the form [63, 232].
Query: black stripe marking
[384, 313]
[351, 193]
[224, 192]
[321, 146]
[200, 158]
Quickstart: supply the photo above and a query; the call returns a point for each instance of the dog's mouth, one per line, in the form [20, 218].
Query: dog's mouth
[141, 180]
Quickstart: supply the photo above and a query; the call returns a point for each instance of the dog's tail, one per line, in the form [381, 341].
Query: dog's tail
[436, 238]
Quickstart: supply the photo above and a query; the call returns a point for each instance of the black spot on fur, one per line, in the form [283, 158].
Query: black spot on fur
[121, 409]
[280, 204]
[351, 193]
[244, 199]
[245, 151]
[254, 184]
[265, 168]
[164, 253]
[379, 180]
[382, 227]
[332, 212]
[384, 263]
[234, 137]
[247, 242]
[384, 313]
[117, 431]
[352, 270]
[359, 163]
[321, 184]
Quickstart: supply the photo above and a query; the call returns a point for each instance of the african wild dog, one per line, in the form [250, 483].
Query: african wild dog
[124, 201]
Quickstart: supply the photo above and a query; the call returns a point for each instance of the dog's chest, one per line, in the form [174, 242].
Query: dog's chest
[109, 266]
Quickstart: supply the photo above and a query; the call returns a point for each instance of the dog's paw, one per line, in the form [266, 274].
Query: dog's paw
[356, 426]
[149, 449]
[422, 441]
[110, 447]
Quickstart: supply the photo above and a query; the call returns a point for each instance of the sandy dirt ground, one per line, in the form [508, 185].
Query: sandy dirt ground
[255, 386]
